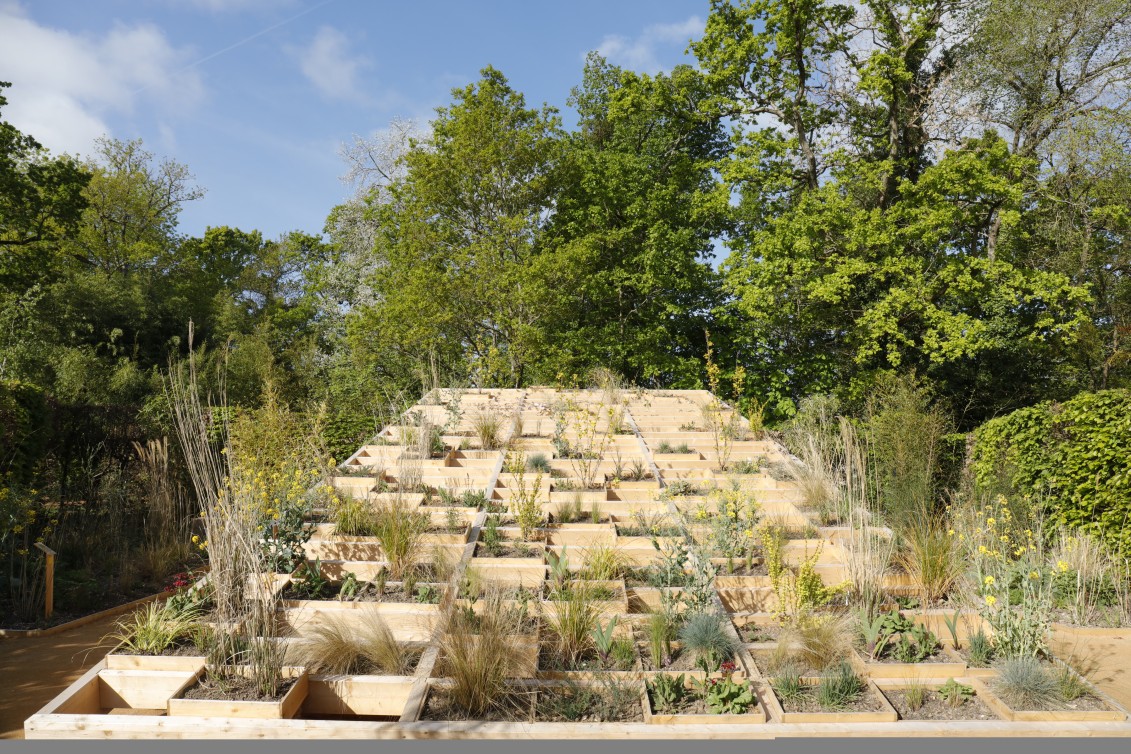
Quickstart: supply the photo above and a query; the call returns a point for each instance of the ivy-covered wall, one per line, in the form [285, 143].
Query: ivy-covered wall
[1075, 455]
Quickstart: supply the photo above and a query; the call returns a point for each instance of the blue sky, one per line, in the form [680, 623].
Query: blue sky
[257, 96]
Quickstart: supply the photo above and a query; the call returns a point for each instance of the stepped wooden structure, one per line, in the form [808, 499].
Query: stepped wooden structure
[644, 455]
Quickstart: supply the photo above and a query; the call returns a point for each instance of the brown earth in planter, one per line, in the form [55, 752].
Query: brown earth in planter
[935, 707]
[628, 711]
[758, 632]
[590, 661]
[679, 660]
[1086, 703]
[691, 704]
[1104, 617]
[1103, 660]
[764, 660]
[740, 569]
[237, 689]
[508, 551]
[637, 531]
[807, 702]
[516, 709]
[887, 659]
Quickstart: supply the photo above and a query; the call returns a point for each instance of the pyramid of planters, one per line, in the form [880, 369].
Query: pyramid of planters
[551, 563]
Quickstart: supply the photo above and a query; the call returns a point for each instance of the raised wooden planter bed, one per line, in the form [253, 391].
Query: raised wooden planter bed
[126, 691]
[286, 707]
[886, 715]
[409, 621]
[911, 670]
[377, 695]
[756, 716]
[890, 685]
[1111, 713]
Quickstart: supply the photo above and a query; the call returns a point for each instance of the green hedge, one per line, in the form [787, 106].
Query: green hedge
[1076, 455]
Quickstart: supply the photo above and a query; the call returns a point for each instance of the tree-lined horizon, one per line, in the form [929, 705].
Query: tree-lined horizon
[833, 193]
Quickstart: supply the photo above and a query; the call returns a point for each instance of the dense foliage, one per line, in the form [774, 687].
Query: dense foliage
[1072, 457]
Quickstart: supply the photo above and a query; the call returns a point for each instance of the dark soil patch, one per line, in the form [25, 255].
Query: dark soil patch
[587, 704]
[679, 660]
[935, 707]
[515, 709]
[236, 688]
[758, 632]
[757, 568]
[866, 701]
[590, 661]
[509, 551]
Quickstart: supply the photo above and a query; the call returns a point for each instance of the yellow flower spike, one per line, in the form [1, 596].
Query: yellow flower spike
[950, 532]
[991, 521]
[988, 580]
[991, 600]
[982, 549]
[1061, 566]
[1034, 575]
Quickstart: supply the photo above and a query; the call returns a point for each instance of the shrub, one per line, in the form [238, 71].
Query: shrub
[1075, 453]
[538, 463]
[154, 628]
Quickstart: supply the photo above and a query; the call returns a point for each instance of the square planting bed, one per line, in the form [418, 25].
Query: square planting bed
[935, 707]
[286, 705]
[872, 707]
[1093, 707]
[693, 709]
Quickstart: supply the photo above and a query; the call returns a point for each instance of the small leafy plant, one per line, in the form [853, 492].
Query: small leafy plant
[954, 693]
[667, 691]
[726, 696]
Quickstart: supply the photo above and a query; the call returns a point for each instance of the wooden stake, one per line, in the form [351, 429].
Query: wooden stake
[49, 595]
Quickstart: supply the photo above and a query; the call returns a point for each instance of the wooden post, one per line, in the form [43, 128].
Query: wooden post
[49, 574]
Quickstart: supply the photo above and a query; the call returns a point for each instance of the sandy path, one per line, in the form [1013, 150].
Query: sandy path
[36, 670]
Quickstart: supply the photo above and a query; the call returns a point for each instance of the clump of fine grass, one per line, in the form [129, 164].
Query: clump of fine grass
[340, 646]
[704, 637]
[604, 562]
[915, 695]
[659, 630]
[354, 518]
[154, 628]
[538, 463]
[488, 427]
[571, 624]
[930, 556]
[1025, 684]
[400, 528]
[839, 688]
[787, 684]
[477, 656]
[817, 642]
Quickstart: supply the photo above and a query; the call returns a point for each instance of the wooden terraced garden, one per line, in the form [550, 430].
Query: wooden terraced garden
[631, 563]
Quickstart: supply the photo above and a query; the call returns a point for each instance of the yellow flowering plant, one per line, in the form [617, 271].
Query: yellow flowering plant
[1014, 589]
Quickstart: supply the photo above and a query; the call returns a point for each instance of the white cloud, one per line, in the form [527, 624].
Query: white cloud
[65, 85]
[223, 6]
[328, 64]
[643, 53]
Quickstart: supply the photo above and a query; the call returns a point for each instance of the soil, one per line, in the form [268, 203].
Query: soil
[1087, 702]
[758, 632]
[936, 708]
[585, 517]
[235, 689]
[589, 662]
[443, 529]
[439, 706]
[965, 655]
[509, 551]
[740, 569]
[1104, 617]
[679, 660]
[637, 531]
[600, 593]
[865, 702]
[601, 708]
[887, 659]
[691, 704]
